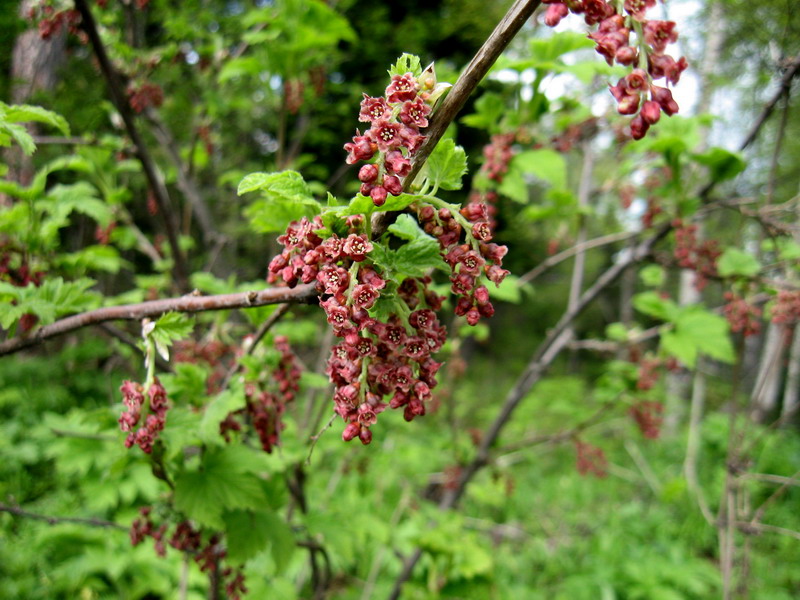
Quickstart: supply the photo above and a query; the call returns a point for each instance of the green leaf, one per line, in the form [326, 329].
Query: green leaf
[489, 109]
[223, 482]
[20, 135]
[680, 346]
[407, 63]
[24, 112]
[224, 403]
[363, 205]
[652, 304]
[406, 227]
[417, 257]
[709, 332]
[652, 276]
[558, 44]
[617, 332]
[169, 328]
[737, 262]
[284, 185]
[721, 163]
[508, 291]
[250, 532]
[446, 165]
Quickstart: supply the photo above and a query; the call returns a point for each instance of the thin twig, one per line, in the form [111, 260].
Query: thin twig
[470, 77]
[315, 438]
[552, 261]
[156, 308]
[120, 101]
[19, 512]
[131, 342]
[250, 347]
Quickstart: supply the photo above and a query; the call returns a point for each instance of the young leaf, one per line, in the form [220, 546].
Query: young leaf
[407, 63]
[737, 262]
[406, 227]
[446, 165]
[652, 304]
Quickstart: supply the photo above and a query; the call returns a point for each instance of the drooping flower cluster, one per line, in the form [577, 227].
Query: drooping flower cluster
[691, 253]
[51, 20]
[393, 137]
[266, 398]
[744, 318]
[144, 96]
[468, 261]
[786, 310]
[151, 413]
[648, 416]
[187, 539]
[590, 460]
[19, 273]
[385, 318]
[497, 154]
[647, 54]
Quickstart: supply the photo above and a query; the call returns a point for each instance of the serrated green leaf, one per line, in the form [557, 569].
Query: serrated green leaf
[169, 328]
[737, 262]
[248, 533]
[223, 482]
[680, 346]
[419, 256]
[407, 63]
[21, 113]
[721, 163]
[652, 276]
[708, 331]
[446, 166]
[216, 411]
[406, 227]
[20, 135]
[652, 304]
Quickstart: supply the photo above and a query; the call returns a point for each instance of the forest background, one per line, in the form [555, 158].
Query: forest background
[623, 427]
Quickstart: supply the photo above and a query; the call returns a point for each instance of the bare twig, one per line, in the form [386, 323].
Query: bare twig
[552, 261]
[19, 512]
[155, 308]
[120, 100]
[469, 79]
[249, 348]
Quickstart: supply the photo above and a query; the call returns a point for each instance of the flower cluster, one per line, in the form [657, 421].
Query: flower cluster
[469, 261]
[144, 96]
[590, 460]
[497, 155]
[51, 20]
[19, 276]
[648, 416]
[266, 399]
[693, 254]
[133, 396]
[647, 54]
[786, 310]
[187, 539]
[743, 317]
[393, 137]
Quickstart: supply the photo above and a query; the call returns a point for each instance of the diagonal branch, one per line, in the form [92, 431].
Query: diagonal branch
[156, 308]
[545, 354]
[470, 77]
[19, 512]
[120, 101]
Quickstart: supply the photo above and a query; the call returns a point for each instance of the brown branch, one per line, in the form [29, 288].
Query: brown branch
[120, 101]
[552, 261]
[250, 347]
[476, 70]
[156, 308]
[19, 512]
[792, 70]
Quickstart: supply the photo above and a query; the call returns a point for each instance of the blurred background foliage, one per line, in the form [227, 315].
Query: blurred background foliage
[267, 86]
